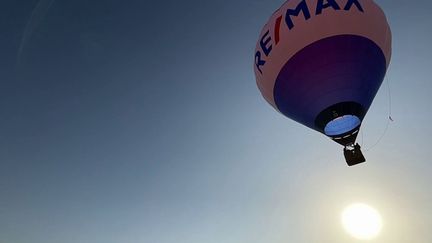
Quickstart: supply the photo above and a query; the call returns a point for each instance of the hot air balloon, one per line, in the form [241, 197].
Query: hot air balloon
[321, 63]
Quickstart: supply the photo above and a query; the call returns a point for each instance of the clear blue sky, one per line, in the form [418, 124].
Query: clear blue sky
[140, 122]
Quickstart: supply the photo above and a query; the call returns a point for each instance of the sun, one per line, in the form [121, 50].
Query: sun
[361, 221]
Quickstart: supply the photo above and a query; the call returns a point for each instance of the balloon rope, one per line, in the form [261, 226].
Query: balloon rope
[389, 120]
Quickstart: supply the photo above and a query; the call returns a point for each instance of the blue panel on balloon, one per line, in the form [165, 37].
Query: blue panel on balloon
[343, 69]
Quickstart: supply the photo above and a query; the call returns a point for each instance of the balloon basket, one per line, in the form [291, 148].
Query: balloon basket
[353, 155]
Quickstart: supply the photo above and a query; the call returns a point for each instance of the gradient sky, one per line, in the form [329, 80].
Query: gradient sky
[140, 122]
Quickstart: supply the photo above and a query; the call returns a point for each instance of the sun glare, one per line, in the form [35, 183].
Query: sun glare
[361, 221]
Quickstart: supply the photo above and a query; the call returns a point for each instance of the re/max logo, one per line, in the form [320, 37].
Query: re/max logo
[266, 41]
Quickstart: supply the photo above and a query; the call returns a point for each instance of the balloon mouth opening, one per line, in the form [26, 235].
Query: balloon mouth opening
[341, 125]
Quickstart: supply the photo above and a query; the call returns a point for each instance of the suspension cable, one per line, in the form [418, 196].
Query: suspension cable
[389, 119]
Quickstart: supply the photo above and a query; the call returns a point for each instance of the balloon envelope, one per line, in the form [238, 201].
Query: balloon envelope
[321, 63]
